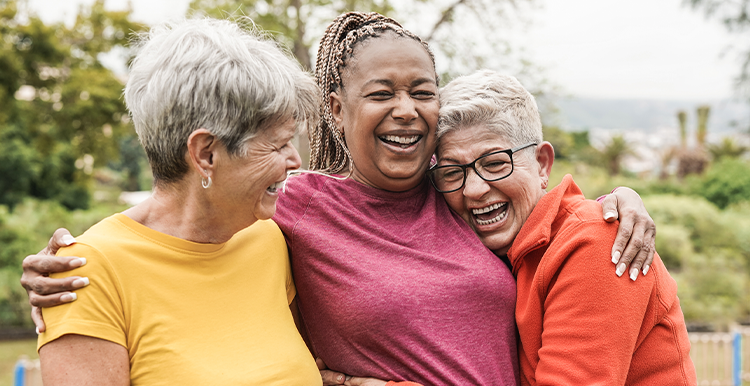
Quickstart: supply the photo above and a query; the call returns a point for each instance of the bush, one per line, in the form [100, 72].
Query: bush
[726, 183]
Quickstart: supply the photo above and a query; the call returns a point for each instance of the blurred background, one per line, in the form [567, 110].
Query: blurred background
[650, 94]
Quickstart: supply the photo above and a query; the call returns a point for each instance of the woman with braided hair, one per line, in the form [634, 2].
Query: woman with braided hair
[391, 283]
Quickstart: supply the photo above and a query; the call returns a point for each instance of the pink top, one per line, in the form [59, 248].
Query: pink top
[396, 286]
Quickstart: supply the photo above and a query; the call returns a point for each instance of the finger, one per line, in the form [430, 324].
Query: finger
[51, 300]
[321, 365]
[61, 238]
[609, 208]
[332, 377]
[42, 285]
[624, 233]
[633, 247]
[45, 264]
[651, 252]
[36, 316]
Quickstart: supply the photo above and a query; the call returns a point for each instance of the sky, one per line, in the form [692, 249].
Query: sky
[634, 49]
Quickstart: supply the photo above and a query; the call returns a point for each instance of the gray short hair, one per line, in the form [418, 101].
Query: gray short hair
[212, 74]
[496, 101]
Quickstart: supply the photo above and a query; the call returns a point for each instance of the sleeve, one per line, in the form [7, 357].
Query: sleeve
[98, 311]
[592, 318]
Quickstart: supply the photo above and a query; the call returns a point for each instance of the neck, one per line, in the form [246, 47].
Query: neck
[186, 211]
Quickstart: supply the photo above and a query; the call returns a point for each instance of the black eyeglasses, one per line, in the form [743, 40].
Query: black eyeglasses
[489, 167]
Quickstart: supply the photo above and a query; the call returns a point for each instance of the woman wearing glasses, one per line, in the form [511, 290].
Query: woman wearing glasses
[578, 324]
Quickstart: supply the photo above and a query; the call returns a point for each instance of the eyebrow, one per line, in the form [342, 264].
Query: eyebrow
[389, 83]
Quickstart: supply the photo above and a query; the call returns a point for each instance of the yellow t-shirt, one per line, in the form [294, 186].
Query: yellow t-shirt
[188, 313]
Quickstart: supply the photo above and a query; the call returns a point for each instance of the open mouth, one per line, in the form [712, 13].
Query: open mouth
[490, 214]
[403, 142]
[275, 187]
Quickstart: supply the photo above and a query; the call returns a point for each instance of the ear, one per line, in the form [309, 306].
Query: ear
[545, 157]
[201, 146]
[335, 102]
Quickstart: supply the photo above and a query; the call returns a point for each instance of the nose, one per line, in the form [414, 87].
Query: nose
[405, 109]
[293, 160]
[474, 187]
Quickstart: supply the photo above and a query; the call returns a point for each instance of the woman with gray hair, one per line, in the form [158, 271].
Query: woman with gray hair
[493, 169]
[215, 107]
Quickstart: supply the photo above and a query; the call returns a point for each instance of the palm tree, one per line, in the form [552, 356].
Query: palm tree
[614, 152]
[728, 148]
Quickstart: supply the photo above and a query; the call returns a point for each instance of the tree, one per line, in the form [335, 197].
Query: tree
[728, 148]
[62, 111]
[614, 152]
[735, 15]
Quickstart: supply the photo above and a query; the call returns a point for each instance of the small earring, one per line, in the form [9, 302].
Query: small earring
[206, 183]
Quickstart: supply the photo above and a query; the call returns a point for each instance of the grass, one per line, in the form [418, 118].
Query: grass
[9, 353]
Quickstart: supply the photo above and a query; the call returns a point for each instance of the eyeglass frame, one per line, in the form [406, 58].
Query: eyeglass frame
[472, 164]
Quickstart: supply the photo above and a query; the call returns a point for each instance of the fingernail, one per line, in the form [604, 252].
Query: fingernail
[616, 257]
[340, 378]
[620, 269]
[610, 216]
[82, 282]
[69, 297]
[633, 274]
[79, 262]
[68, 239]
[645, 269]
[37, 330]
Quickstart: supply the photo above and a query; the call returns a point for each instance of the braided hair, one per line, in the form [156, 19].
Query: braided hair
[328, 151]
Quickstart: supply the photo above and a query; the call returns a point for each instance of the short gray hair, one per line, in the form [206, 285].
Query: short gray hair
[212, 74]
[496, 101]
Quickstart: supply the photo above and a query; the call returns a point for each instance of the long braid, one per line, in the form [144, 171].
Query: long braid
[328, 150]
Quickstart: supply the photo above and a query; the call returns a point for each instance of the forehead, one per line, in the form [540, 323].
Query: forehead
[386, 56]
[470, 142]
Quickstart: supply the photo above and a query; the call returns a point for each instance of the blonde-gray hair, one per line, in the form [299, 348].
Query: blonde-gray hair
[212, 74]
[498, 102]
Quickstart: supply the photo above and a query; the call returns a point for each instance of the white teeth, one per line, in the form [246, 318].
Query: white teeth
[401, 140]
[489, 208]
[276, 186]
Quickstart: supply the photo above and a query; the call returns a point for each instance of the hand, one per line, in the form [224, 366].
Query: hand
[44, 291]
[331, 377]
[636, 237]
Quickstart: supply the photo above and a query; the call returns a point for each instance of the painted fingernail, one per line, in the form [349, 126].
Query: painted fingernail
[69, 297]
[68, 239]
[82, 282]
[616, 257]
[610, 216]
[37, 331]
[645, 269]
[79, 262]
[620, 269]
[633, 274]
[340, 378]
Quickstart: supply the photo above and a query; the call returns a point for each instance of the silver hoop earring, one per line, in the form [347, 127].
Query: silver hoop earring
[206, 184]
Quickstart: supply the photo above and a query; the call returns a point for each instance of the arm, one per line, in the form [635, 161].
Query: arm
[44, 291]
[589, 329]
[83, 360]
[636, 236]
[331, 377]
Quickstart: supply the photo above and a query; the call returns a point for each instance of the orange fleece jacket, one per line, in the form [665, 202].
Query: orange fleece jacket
[580, 324]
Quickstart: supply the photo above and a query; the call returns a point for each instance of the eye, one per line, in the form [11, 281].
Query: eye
[423, 94]
[451, 174]
[380, 95]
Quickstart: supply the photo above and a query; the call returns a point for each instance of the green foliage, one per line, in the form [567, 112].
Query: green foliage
[62, 111]
[26, 230]
[726, 183]
[706, 250]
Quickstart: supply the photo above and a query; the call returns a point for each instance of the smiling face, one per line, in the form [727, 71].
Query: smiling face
[250, 183]
[388, 110]
[495, 210]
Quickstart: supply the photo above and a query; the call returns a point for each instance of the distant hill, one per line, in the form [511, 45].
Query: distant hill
[575, 114]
